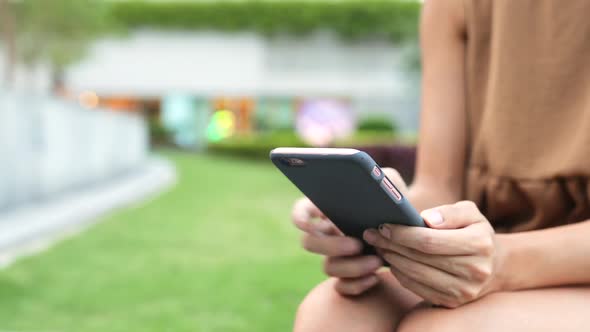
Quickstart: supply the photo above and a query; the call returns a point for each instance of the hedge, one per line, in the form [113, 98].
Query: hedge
[258, 146]
[386, 150]
[254, 146]
[393, 20]
[378, 123]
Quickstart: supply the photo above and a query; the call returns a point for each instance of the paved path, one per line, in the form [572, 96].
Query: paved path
[32, 228]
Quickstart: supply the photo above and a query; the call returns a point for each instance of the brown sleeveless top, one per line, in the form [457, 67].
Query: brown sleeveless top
[528, 111]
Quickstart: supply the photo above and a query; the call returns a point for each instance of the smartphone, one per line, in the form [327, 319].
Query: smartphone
[348, 187]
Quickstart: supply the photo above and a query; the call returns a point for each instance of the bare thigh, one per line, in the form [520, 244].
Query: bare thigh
[553, 309]
[380, 309]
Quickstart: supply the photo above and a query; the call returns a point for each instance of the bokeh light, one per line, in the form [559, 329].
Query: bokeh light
[322, 121]
[222, 125]
[88, 99]
[180, 117]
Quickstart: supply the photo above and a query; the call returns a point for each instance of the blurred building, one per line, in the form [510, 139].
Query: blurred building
[246, 73]
[261, 81]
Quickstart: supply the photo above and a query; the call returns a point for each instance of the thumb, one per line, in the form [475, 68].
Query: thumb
[453, 216]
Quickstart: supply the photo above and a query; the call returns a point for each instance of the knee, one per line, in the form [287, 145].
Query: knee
[313, 314]
[323, 309]
[310, 309]
[427, 319]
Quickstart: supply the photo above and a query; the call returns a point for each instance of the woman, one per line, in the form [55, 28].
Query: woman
[503, 172]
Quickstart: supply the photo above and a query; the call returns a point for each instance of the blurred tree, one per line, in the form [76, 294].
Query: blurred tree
[352, 20]
[394, 20]
[59, 32]
[9, 40]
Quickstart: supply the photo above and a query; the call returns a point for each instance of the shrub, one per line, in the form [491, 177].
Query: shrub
[258, 146]
[383, 148]
[159, 135]
[377, 124]
[255, 146]
[394, 20]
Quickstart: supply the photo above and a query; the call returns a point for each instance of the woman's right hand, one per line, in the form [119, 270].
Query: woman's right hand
[343, 260]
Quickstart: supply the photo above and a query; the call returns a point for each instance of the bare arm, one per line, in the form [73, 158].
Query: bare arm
[459, 258]
[550, 257]
[442, 142]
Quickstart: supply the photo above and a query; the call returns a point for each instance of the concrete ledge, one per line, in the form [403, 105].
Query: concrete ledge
[33, 228]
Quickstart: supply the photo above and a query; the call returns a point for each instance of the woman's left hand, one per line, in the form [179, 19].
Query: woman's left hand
[454, 262]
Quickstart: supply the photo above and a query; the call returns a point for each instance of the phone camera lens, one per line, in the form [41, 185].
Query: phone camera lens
[296, 162]
[293, 162]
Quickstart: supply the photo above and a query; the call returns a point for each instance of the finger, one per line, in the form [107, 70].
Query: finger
[453, 216]
[425, 240]
[355, 286]
[303, 214]
[427, 293]
[322, 227]
[463, 267]
[352, 267]
[424, 274]
[450, 264]
[337, 246]
[396, 178]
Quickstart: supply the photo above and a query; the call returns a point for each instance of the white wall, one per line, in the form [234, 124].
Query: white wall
[203, 63]
[48, 147]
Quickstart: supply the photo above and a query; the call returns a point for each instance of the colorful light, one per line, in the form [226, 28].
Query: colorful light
[222, 125]
[186, 118]
[322, 121]
[88, 99]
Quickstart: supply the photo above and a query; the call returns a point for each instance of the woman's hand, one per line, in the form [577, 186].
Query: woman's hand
[454, 262]
[343, 260]
[355, 273]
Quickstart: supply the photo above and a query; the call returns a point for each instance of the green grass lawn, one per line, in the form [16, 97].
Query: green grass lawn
[215, 253]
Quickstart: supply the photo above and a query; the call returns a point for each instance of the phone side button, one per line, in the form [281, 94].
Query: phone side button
[377, 171]
[391, 188]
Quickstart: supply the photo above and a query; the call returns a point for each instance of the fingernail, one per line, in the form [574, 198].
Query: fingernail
[385, 231]
[370, 235]
[433, 216]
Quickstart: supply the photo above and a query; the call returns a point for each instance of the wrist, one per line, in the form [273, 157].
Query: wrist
[504, 266]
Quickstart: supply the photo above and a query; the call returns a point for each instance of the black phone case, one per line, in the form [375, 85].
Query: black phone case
[348, 192]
